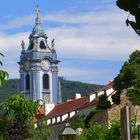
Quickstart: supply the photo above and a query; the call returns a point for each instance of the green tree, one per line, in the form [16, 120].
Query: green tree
[89, 117]
[17, 115]
[94, 132]
[113, 132]
[128, 78]
[42, 132]
[134, 95]
[101, 132]
[133, 7]
[103, 102]
[77, 122]
[3, 74]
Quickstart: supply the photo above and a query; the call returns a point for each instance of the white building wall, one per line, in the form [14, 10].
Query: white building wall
[58, 119]
[53, 120]
[100, 93]
[92, 97]
[35, 125]
[48, 122]
[64, 117]
[110, 99]
[48, 108]
[109, 91]
[72, 114]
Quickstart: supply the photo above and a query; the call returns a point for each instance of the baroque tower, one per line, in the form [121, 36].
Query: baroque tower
[38, 66]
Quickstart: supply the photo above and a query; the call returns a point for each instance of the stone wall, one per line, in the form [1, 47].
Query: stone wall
[100, 117]
[114, 113]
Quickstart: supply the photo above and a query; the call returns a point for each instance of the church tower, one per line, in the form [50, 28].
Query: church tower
[38, 66]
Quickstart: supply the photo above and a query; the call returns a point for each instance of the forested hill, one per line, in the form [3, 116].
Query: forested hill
[69, 88]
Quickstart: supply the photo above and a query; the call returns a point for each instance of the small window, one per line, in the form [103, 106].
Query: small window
[27, 82]
[45, 81]
[42, 45]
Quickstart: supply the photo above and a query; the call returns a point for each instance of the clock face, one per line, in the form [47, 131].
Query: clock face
[27, 65]
[45, 64]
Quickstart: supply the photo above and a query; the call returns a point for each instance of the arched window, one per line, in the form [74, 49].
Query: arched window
[45, 81]
[27, 82]
[42, 45]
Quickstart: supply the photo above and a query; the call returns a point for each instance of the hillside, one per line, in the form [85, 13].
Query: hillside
[69, 88]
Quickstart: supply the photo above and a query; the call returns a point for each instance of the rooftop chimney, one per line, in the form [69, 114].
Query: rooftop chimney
[77, 95]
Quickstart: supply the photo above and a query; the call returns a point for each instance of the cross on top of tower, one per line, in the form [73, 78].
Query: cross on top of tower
[37, 20]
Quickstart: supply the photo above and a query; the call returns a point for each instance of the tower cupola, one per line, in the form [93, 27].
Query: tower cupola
[39, 66]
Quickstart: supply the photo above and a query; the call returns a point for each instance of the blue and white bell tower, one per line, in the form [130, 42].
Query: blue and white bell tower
[39, 66]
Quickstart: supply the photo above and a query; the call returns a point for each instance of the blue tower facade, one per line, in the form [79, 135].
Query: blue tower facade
[39, 67]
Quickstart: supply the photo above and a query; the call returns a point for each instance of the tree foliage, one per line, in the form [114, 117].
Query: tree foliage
[16, 116]
[134, 95]
[89, 117]
[113, 132]
[101, 132]
[69, 88]
[94, 132]
[133, 7]
[103, 102]
[77, 122]
[42, 132]
[3, 74]
[129, 77]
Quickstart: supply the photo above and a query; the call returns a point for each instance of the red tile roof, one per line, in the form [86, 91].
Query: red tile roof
[92, 103]
[72, 105]
[41, 112]
[67, 107]
[106, 87]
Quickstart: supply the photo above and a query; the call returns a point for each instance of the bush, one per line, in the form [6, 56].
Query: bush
[103, 102]
[101, 132]
[77, 122]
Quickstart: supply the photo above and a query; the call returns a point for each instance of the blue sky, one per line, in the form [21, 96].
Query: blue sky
[92, 40]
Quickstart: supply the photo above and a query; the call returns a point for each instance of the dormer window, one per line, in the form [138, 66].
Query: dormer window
[42, 45]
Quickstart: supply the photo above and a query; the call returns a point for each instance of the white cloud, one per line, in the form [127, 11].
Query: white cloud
[99, 76]
[18, 23]
[89, 35]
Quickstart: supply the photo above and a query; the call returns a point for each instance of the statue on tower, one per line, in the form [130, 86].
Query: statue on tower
[23, 46]
[35, 42]
[53, 44]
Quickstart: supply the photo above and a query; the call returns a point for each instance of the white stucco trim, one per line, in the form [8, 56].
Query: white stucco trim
[64, 117]
[58, 119]
[53, 120]
[35, 125]
[72, 114]
[92, 97]
[48, 122]
[109, 91]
